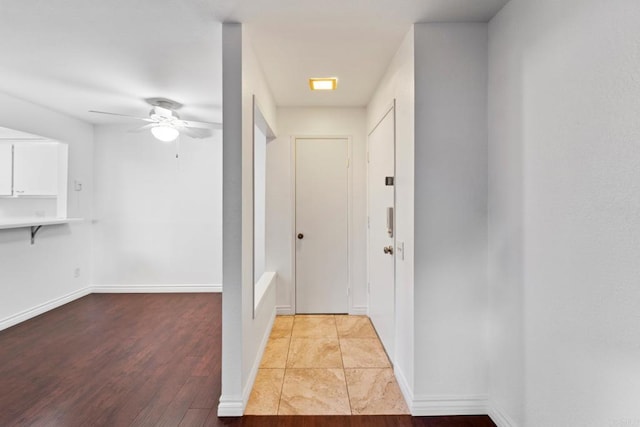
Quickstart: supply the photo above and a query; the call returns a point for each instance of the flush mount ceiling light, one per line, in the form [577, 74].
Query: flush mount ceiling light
[165, 133]
[326, 83]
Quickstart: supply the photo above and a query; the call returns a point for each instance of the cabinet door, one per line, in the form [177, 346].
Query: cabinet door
[35, 169]
[6, 166]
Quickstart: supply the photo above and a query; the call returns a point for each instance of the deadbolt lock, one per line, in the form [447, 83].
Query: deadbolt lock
[388, 250]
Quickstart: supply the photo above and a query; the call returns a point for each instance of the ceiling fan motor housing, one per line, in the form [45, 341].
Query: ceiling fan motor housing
[165, 103]
[163, 109]
[163, 114]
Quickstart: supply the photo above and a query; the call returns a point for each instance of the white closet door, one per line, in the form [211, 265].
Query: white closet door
[322, 261]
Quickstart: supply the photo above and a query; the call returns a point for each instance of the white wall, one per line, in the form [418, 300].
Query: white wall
[260, 202]
[243, 334]
[158, 218]
[571, 72]
[450, 218]
[398, 84]
[35, 278]
[505, 207]
[280, 215]
[256, 328]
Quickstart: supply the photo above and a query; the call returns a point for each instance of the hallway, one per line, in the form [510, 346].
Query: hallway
[325, 365]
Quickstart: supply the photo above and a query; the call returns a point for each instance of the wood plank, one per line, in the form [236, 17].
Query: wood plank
[194, 418]
[180, 404]
[208, 393]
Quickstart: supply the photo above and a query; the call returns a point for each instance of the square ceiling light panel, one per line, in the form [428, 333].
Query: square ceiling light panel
[325, 83]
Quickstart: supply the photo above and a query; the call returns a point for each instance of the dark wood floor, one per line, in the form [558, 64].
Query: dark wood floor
[136, 360]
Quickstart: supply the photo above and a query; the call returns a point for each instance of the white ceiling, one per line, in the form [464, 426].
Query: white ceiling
[76, 55]
[6, 133]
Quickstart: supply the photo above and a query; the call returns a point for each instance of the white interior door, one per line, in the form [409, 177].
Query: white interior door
[322, 272]
[381, 241]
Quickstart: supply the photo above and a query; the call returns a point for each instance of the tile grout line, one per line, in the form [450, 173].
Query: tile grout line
[344, 371]
[343, 368]
[284, 375]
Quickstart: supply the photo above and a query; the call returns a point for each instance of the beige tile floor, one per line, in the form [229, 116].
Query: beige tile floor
[325, 365]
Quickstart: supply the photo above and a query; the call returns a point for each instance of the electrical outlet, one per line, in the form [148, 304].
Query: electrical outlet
[76, 273]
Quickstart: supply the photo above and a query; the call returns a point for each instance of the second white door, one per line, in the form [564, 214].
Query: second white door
[381, 230]
[322, 255]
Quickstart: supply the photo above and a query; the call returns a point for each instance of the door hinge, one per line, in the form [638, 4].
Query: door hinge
[368, 157]
[368, 222]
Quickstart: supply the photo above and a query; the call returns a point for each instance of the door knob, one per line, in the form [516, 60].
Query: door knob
[388, 250]
[300, 236]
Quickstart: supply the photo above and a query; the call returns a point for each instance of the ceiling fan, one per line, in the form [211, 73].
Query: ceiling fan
[165, 124]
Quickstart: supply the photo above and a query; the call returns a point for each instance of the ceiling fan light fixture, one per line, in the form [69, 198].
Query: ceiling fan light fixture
[165, 124]
[165, 133]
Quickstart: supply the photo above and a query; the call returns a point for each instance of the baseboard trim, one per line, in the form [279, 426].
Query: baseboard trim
[287, 310]
[155, 289]
[359, 310]
[230, 407]
[500, 417]
[246, 392]
[43, 308]
[284, 310]
[449, 405]
[421, 406]
[404, 386]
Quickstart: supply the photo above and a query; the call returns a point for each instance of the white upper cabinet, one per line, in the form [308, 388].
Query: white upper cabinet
[6, 169]
[35, 169]
[33, 180]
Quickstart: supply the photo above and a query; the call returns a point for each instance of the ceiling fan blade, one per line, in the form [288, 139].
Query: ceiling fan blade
[200, 125]
[196, 132]
[146, 119]
[143, 128]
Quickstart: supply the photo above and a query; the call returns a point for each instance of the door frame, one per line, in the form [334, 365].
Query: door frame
[292, 143]
[390, 109]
